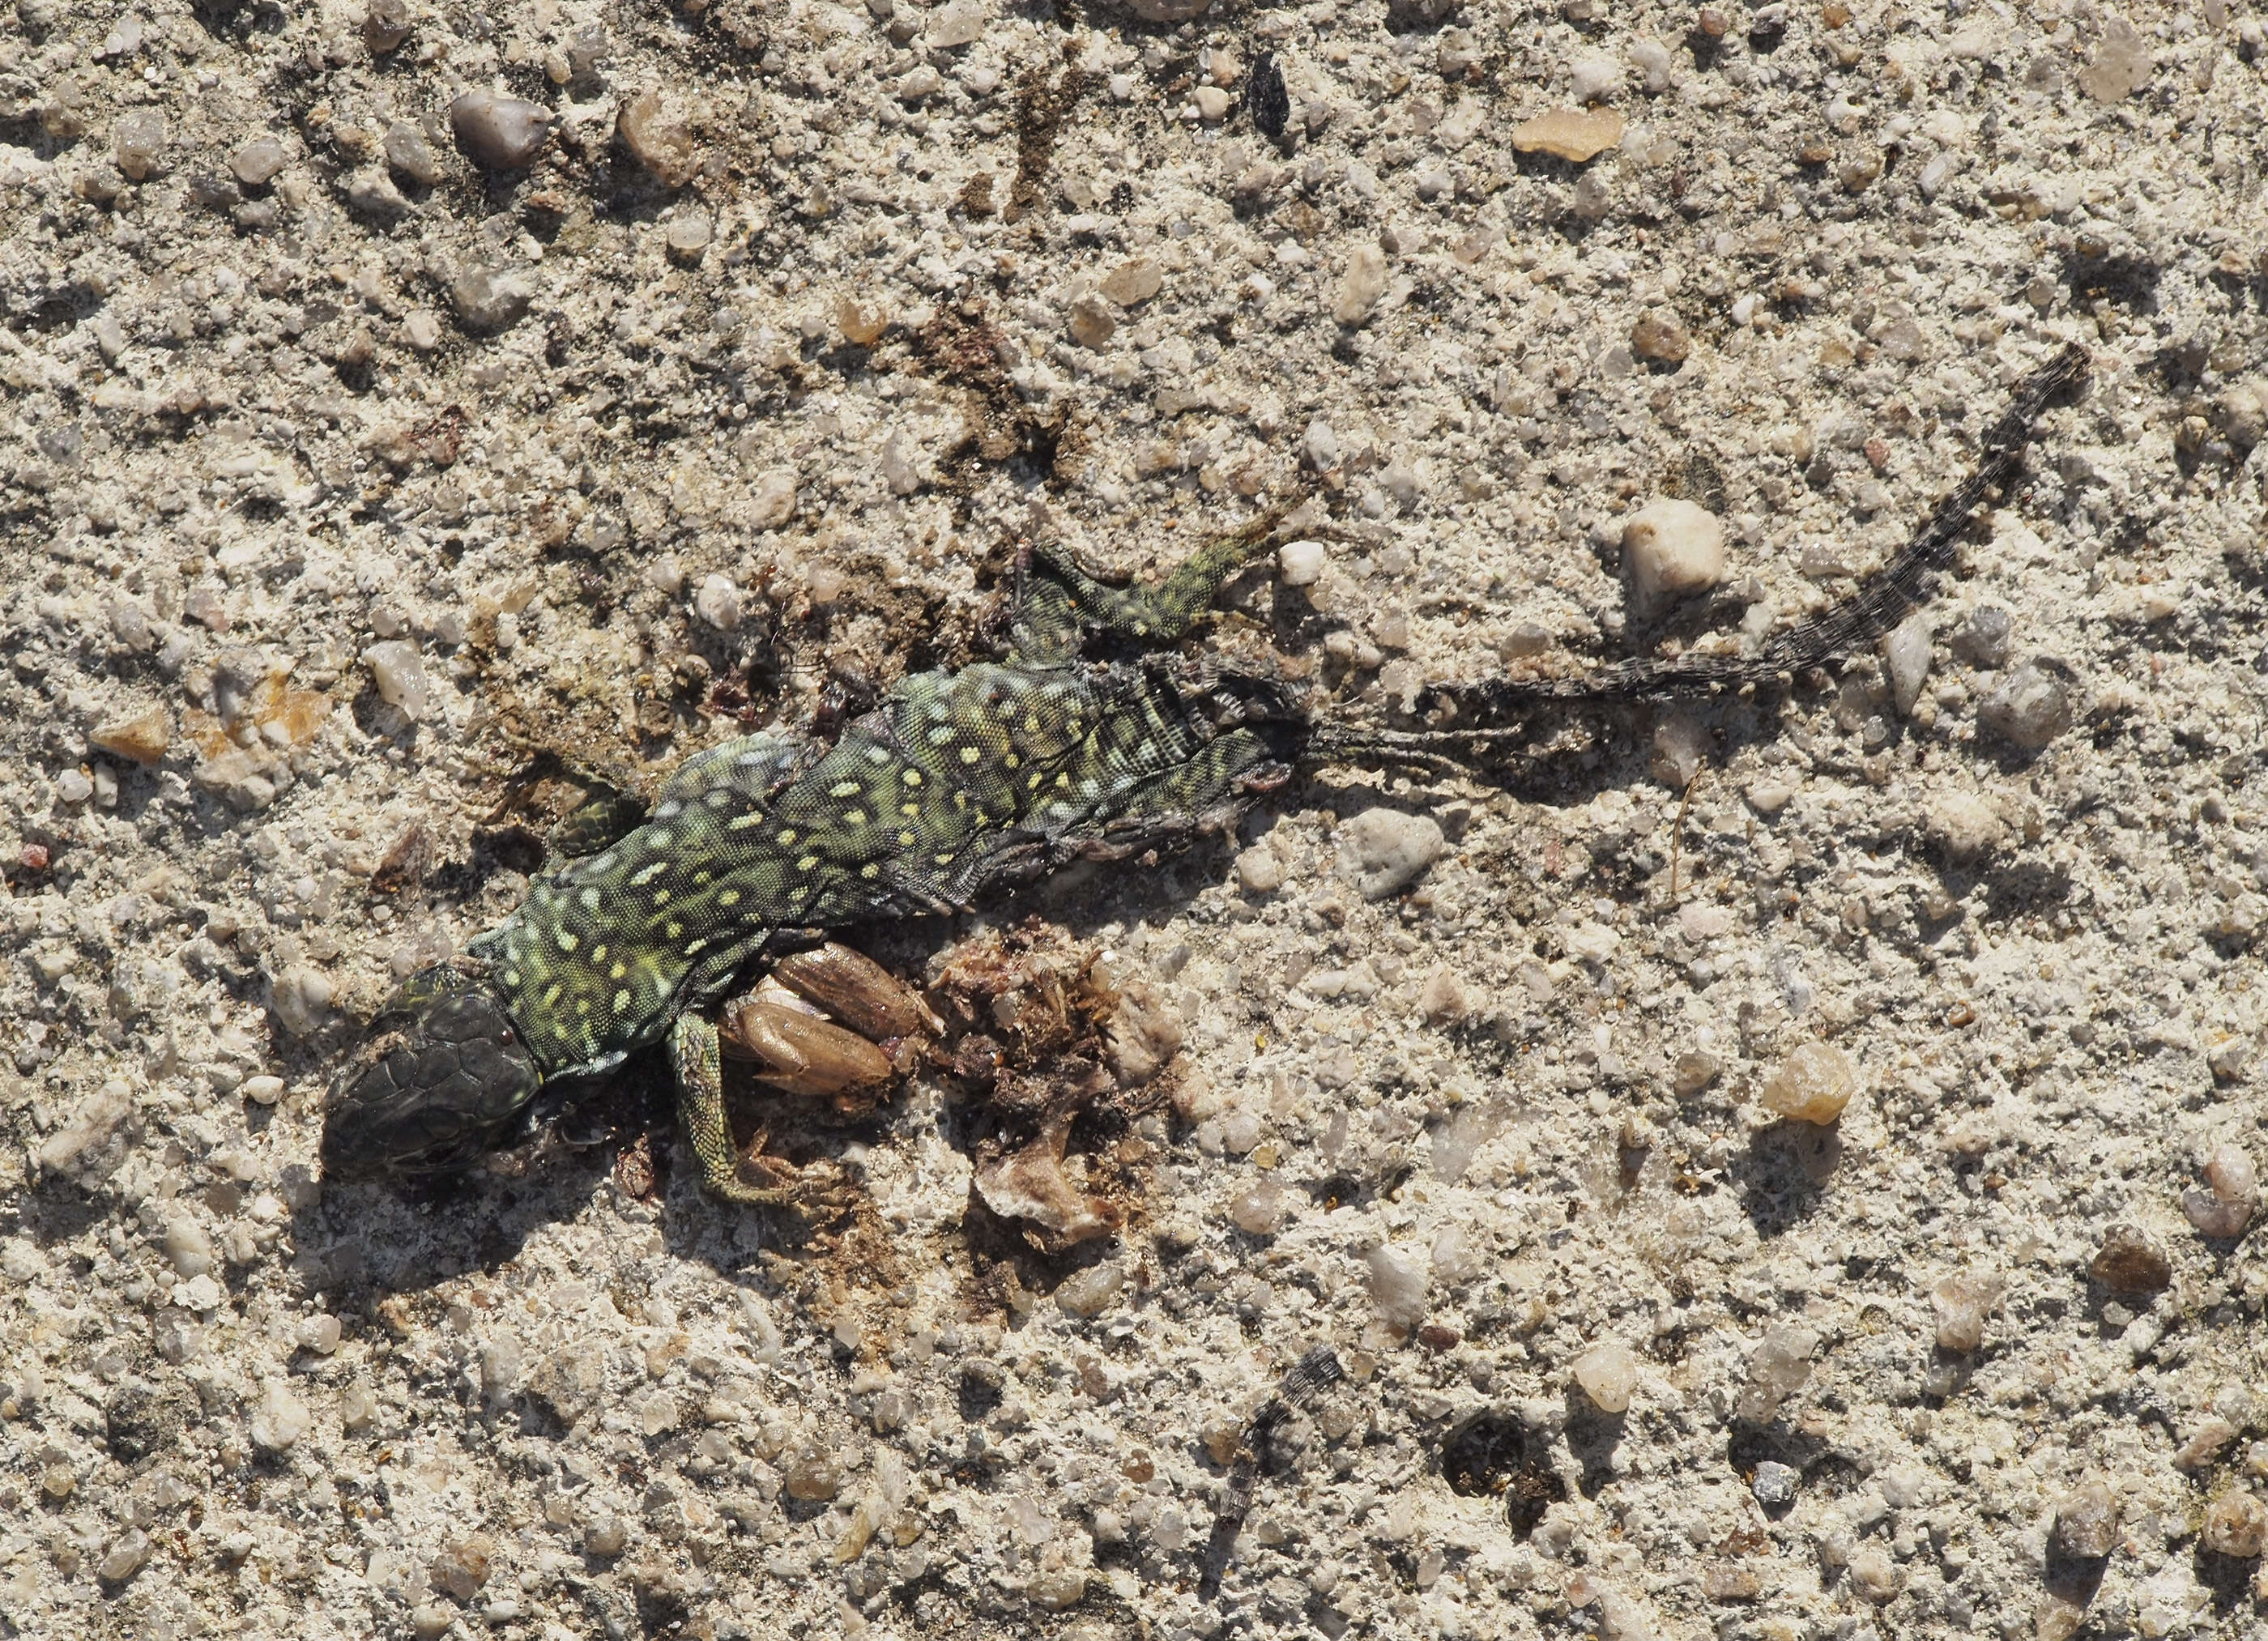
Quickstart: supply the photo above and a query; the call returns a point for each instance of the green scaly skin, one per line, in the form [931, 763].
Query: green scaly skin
[956, 783]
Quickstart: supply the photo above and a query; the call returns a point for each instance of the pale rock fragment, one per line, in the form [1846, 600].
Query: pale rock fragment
[499, 133]
[1089, 1293]
[716, 602]
[137, 144]
[92, 1144]
[1258, 871]
[1777, 1370]
[1813, 1084]
[1132, 281]
[1362, 285]
[1570, 134]
[2231, 1193]
[771, 499]
[281, 1418]
[1906, 656]
[1381, 850]
[1300, 563]
[657, 140]
[1671, 549]
[1963, 1302]
[1965, 825]
[2121, 63]
[2031, 706]
[1608, 1374]
[257, 162]
[1397, 1284]
[2086, 1526]
[2236, 1524]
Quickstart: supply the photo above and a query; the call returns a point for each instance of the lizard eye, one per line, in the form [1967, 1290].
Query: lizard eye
[429, 1096]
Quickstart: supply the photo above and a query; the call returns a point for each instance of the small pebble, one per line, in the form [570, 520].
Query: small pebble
[1875, 1574]
[812, 1476]
[2132, 1261]
[1093, 322]
[688, 233]
[488, 299]
[717, 602]
[499, 133]
[1360, 286]
[862, 324]
[407, 152]
[1671, 550]
[73, 787]
[1570, 134]
[399, 671]
[422, 329]
[1593, 79]
[1382, 851]
[1397, 1284]
[1775, 1484]
[280, 1419]
[1212, 104]
[1659, 337]
[1987, 638]
[431, 1621]
[657, 1414]
[137, 144]
[1906, 654]
[1090, 1292]
[2202, 1445]
[257, 162]
[1962, 1303]
[2031, 706]
[124, 1557]
[261, 1091]
[2087, 1526]
[385, 24]
[1608, 1374]
[1812, 1084]
[1300, 563]
[1258, 871]
[1777, 1370]
[1260, 1211]
[141, 737]
[187, 1246]
[2236, 1524]
[657, 140]
[1133, 282]
[607, 1537]
[1965, 825]
[2231, 1193]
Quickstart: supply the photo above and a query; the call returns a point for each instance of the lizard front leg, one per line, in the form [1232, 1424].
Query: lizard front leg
[693, 1050]
[1058, 601]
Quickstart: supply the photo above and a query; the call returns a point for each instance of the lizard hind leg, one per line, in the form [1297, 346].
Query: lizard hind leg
[694, 1053]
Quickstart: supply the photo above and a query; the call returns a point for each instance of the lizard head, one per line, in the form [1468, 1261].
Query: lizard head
[442, 1072]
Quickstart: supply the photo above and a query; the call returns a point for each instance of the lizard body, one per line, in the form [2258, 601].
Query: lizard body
[957, 783]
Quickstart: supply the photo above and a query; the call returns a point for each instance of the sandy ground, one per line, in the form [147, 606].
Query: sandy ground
[354, 453]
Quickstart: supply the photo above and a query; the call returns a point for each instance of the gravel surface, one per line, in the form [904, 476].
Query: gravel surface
[1777, 1168]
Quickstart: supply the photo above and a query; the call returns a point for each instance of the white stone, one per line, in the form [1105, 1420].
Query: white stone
[1812, 1084]
[1300, 563]
[1608, 1374]
[399, 671]
[1906, 654]
[1381, 850]
[1397, 1284]
[280, 1419]
[1671, 550]
[717, 602]
[1965, 825]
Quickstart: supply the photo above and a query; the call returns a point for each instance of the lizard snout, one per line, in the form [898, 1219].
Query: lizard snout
[429, 1095]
